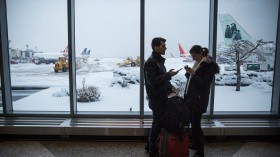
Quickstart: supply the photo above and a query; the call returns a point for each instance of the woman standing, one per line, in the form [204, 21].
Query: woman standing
[200, 77]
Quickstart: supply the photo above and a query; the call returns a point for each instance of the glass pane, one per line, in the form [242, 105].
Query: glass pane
[246, 54]
[37, 31]
[183, 26]
[107, 53]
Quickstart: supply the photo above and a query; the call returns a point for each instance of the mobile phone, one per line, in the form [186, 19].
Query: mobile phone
[179, 70]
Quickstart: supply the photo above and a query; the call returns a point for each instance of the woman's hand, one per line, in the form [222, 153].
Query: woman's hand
[189, 70]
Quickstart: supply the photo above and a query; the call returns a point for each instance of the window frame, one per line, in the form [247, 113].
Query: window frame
[6, 80]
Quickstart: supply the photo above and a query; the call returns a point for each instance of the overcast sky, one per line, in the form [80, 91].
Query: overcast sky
[111, 28]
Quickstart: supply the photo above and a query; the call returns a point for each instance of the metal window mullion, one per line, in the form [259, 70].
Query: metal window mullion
[142, 47]
[212, 44]
[71, 55]
[275, 105]
[4, 61]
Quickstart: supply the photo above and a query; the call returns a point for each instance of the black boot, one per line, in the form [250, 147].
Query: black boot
[153, 154]
[198, 155]
[147, 145]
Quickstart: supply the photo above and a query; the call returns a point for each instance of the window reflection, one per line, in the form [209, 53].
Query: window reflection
[181, 30]
[107, 55]
[37, 37]
[246, 54]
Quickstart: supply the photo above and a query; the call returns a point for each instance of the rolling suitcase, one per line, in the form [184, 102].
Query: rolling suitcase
[172, 145]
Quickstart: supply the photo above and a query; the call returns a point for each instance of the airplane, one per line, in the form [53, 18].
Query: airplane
[232, 30]
[46, 57]
[52, 57]
[224, 59]
[49, 57]
[85, 53]
[65, 51]
[171, 55]
[183, 53]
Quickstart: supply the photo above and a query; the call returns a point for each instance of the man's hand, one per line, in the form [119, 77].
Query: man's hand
[175, 92]
[172, 72]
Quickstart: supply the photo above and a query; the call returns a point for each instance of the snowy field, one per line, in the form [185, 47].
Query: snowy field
[100, 73]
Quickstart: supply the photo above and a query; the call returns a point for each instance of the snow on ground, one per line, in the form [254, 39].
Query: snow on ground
[256, 97]
[99, 72]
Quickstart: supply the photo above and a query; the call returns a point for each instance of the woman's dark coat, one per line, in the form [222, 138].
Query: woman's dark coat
[199, 86]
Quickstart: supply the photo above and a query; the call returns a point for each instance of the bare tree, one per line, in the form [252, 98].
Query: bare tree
[243, 49]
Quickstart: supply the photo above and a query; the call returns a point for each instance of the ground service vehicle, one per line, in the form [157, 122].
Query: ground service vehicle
[61, 65]
[130, 62]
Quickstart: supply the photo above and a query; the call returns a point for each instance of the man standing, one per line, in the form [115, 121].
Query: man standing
[158, 87]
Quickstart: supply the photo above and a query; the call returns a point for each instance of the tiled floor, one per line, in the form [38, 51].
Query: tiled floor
[77, 148]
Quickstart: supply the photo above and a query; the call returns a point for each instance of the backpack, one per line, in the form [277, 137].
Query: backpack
[177, 116]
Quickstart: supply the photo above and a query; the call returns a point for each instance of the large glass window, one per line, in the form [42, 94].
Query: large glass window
[107, 46]
[246, 54]
[183, 24]
[107, 55]
[37, 31]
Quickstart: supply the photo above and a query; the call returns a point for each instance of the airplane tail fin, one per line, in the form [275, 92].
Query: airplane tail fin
[187, 57]
[88, 52]
[232, 30]
[171, 55]
[65, 51]
[84, 52]
[182, 52]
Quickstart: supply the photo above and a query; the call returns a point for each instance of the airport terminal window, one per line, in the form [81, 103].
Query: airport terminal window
[107, 35]
[246, 54]
[181, 29]
[107, 52]
[37, 31]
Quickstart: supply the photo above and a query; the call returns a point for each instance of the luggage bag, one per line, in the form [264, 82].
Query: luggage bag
[171, 145]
